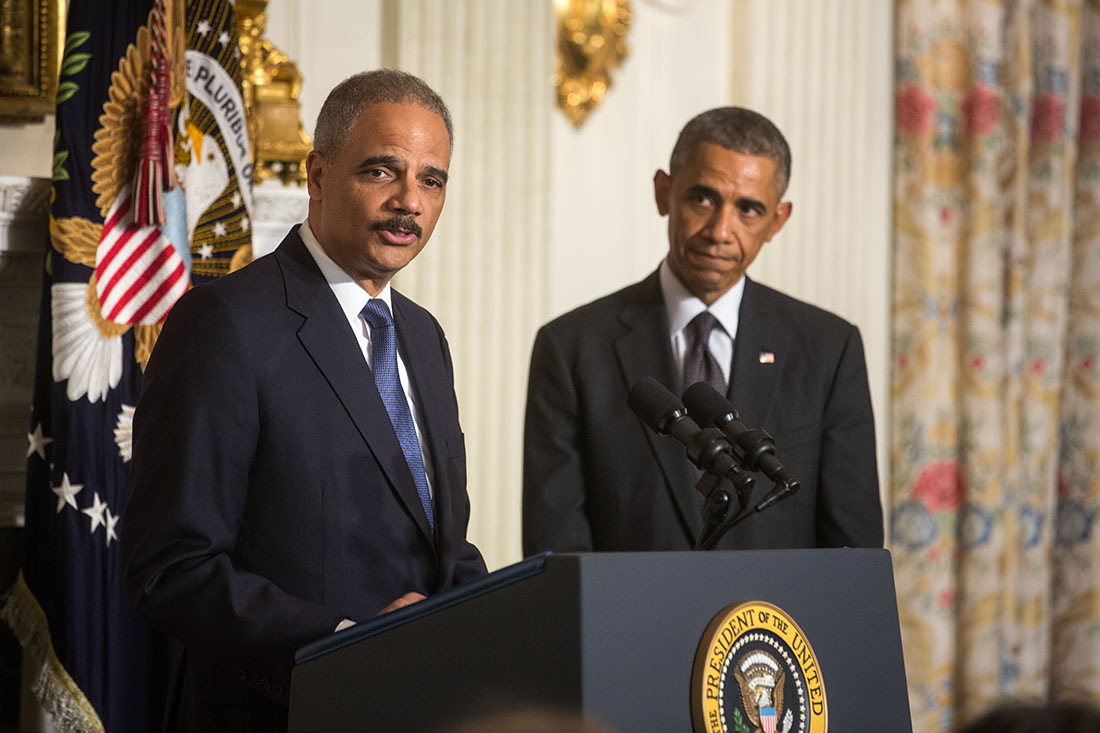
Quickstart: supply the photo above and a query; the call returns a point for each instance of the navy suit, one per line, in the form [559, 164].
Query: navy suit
[595, 478]
[269, 495]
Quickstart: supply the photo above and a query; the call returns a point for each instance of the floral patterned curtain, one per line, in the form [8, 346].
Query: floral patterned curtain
[995, 446]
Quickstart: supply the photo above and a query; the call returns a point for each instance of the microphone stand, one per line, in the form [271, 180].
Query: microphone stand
[718, 503]
[715, 527]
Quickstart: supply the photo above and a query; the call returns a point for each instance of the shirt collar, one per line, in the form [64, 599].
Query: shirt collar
[682, 306]
[351, 295]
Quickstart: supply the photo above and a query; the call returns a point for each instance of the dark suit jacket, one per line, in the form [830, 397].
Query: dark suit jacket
[595, 478]
[269, 495]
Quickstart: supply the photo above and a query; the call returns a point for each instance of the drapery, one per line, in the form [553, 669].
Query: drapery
[995, 434]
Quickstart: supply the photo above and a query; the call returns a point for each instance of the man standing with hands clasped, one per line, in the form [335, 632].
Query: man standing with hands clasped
[595, 478]
[298, 460]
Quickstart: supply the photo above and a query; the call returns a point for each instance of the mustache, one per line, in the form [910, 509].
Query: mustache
[400, 223]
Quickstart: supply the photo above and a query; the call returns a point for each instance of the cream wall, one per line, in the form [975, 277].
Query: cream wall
[604, 227]
[541, 217]
[26, 149]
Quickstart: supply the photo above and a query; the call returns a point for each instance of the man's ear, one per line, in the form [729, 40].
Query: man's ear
[782, 213]
[662, 191]
[315, 165]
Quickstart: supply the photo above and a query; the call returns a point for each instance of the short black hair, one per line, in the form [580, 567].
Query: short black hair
[740, 130]
[351, 96]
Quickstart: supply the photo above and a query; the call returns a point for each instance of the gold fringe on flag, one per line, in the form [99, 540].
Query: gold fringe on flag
[52, 685]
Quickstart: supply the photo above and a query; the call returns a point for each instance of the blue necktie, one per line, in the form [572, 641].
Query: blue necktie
[383, 350]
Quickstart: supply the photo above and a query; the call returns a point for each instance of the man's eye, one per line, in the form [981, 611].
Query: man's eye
[433, 183]
[376, 172]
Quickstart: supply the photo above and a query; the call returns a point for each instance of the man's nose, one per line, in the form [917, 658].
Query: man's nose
[407, 196]
[722, 224]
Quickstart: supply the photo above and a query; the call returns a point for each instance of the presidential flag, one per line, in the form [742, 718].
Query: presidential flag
[151, 195]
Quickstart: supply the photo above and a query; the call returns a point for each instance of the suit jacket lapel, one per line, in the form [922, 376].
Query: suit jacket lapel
[325, 335]
[644, 351]
[761, 350]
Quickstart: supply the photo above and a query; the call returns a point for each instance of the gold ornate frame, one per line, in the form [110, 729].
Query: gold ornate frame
[29, 39]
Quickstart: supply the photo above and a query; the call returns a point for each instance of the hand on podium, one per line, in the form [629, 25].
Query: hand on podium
[406, 600]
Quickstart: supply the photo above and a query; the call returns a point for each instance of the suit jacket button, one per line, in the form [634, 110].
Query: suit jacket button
[277, 689]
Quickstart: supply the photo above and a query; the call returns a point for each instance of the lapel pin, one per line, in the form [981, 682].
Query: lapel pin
[767, 357]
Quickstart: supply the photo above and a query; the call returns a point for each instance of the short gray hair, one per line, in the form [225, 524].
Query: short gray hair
[351, 96]
[740, 130]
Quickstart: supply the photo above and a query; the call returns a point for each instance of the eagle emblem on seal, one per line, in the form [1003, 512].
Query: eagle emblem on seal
[760, 680]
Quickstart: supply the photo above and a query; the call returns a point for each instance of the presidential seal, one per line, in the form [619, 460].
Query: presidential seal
[755, 672]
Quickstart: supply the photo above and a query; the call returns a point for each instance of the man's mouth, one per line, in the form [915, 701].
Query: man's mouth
[399, 230]
[715, 256]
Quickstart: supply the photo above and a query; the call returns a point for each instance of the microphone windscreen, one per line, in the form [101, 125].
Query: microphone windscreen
[651, 402]
[705, 404]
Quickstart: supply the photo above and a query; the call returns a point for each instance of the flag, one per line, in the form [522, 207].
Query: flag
[151, 195]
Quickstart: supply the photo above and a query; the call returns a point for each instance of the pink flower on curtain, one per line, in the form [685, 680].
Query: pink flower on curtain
[979, 110]
[914, 109]
[1090, 119]
[940, 486]
[1047, 115]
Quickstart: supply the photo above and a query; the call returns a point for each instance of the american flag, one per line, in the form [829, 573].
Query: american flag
[139, 274]
[107, 283]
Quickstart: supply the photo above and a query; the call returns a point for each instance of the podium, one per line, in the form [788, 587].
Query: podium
[637, 641]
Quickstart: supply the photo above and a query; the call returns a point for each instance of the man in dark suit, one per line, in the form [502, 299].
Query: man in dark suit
[298, 460]
[595, 478]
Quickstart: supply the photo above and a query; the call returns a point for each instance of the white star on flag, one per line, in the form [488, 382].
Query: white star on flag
[236, 199]
[206, 251]
[66, 493]
[110, 521]
[203, 28]
[219, 229]
[95, 511]
[223, 37]
[37, 442]
[245, 223]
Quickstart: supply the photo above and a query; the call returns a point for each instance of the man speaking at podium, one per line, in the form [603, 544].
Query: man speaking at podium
[595, 478]
[298, 459]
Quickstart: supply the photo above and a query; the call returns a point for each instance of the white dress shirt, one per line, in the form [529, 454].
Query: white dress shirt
[682, 307]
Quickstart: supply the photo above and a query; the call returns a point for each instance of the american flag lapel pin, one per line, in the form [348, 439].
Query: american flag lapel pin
[767, 357]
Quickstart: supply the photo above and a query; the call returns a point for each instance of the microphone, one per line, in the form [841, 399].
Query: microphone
[707, 448]
[754, 448]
